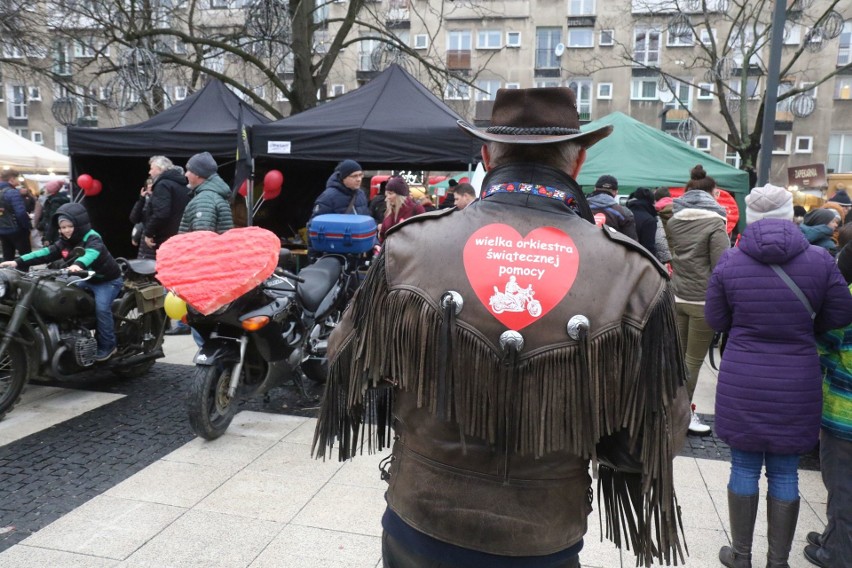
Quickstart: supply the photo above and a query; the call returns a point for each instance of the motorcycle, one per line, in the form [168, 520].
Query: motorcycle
[515, 302]
[47, 326]
[274, 333]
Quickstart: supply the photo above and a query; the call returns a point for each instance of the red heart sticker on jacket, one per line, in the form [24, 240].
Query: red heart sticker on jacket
[209, 270]
[520, 279]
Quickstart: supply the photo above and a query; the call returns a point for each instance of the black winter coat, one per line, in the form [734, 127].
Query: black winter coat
[168, 200]
[645, 218]
[336, 198]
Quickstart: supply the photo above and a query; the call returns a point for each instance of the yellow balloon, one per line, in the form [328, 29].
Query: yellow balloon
[175, 307]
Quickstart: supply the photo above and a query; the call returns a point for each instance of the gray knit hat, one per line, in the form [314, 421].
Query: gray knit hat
[769, 201]
[202, 165]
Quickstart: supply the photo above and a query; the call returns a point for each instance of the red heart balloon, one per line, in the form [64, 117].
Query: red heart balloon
[84, 181]
[243, 188]
[519, 279]
[232, 264]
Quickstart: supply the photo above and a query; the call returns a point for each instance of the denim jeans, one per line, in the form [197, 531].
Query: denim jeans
[105, 293]
[782, 472]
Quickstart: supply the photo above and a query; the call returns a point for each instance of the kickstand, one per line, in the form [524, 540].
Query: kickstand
[299, 383]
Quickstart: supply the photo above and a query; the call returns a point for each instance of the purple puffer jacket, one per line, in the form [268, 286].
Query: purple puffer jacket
[769, 395]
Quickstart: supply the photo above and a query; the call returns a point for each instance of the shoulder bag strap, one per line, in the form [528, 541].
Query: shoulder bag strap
[796, 290]
[352, 202]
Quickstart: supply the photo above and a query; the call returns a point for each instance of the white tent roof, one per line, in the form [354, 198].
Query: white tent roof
[19, 153]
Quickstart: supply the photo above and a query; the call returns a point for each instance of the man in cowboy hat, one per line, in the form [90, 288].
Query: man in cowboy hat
[504, 372]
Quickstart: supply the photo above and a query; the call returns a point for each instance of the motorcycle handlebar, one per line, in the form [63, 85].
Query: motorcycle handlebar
[290, 275]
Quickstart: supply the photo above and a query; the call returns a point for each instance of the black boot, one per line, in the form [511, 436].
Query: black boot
[782, 517]
[742, 511]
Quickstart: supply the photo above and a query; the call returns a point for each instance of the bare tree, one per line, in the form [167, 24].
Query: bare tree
[729, 58]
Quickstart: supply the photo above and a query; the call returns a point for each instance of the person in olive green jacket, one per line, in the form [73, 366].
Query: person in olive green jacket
[209, 209]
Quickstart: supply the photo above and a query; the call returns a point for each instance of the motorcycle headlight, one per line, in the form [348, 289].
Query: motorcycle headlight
[222, 310]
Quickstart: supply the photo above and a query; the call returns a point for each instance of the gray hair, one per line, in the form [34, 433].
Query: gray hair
[161, 162]
[562, 155]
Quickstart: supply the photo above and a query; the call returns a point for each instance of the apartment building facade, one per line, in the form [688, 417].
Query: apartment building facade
[645, 58]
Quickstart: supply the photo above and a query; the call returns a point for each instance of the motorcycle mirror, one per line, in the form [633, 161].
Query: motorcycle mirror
[283, 256]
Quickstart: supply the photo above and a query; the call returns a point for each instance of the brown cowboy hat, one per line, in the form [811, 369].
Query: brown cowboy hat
[536, 116]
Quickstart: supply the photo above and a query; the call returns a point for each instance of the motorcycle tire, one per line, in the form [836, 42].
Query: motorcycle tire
[209, 407]
[134, 327]
[13, 377]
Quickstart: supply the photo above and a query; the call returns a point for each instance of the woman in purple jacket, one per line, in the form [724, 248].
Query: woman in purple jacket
[769, 395]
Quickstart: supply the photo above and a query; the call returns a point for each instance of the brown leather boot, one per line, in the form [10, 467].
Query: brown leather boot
[782, 517]
[742, 511]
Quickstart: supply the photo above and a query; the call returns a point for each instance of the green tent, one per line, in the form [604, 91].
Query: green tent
[639, 155]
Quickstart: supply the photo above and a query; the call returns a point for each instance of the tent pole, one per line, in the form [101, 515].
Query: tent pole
[250, 197]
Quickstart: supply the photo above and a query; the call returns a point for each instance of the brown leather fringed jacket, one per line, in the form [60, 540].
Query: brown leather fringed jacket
[495, 430]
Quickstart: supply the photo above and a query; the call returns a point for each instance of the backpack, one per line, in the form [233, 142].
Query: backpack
[7, 212]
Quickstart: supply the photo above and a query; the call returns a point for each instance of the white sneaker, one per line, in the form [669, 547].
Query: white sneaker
[696, 426]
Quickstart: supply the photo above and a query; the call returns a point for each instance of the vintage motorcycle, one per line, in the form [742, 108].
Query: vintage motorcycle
[274, 333]
[47, 326]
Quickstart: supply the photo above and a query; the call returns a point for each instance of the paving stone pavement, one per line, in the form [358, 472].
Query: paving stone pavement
[51, 472]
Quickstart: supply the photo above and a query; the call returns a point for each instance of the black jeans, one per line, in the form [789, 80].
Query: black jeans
[394, 555]
[19, 241]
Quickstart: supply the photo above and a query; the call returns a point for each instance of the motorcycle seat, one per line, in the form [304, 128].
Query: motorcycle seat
[318, 278]
[144, 267]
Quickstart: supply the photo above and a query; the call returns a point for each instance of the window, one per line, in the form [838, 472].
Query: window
[458, 40]
[180, 93]
[607, 37]
[12, 52]
[752, 85]
[705, 91]
[513, 39]
[643, 89]
[742, 40]
[60, 135]
[421, 41]
[486, 90]
[792, 33]
[843, 88]
[811, 90]
[90, 104]
[214, 4]
[337, 89]
[704, 36]
[781, 142]
[646, 46]
[583, 89]
[702, 143]
[34, 93]
[61, 59]
[732, 158]
[37, 137]
[547, 83]
[680, 40]
[457, 90]
[682, 91]
[84, 49]
[489, 39]
[581, 7]
[844, 49]
[804, 144]
[546, 39]
[605, 91]
[581, 37]
[513, 85]
[16, 97]
[22, 132]
[839, 152]
[365, 54]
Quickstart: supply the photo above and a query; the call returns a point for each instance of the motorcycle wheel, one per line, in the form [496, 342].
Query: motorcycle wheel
[137, 328]
[13, 377]
[315, 367]
[208, 404]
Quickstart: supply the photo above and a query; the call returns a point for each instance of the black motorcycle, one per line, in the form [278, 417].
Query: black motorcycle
[47, 326]
[276, 332]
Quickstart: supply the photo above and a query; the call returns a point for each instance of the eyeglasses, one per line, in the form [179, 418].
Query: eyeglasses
[356, 175]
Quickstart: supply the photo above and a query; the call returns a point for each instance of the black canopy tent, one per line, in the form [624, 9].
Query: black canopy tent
[392, 122]
[208, 120]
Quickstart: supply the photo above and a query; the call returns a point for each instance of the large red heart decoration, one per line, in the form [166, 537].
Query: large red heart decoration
[519, 279]
[209, 270]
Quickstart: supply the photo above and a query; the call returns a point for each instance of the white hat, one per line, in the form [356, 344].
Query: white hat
[769, 201]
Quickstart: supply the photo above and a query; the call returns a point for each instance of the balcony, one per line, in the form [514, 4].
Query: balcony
[458, 59]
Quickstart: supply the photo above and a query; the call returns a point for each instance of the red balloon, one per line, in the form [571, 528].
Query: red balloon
[85, 181]
[243, 190]
[273, 180]
[271, 192]
[94, 188]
